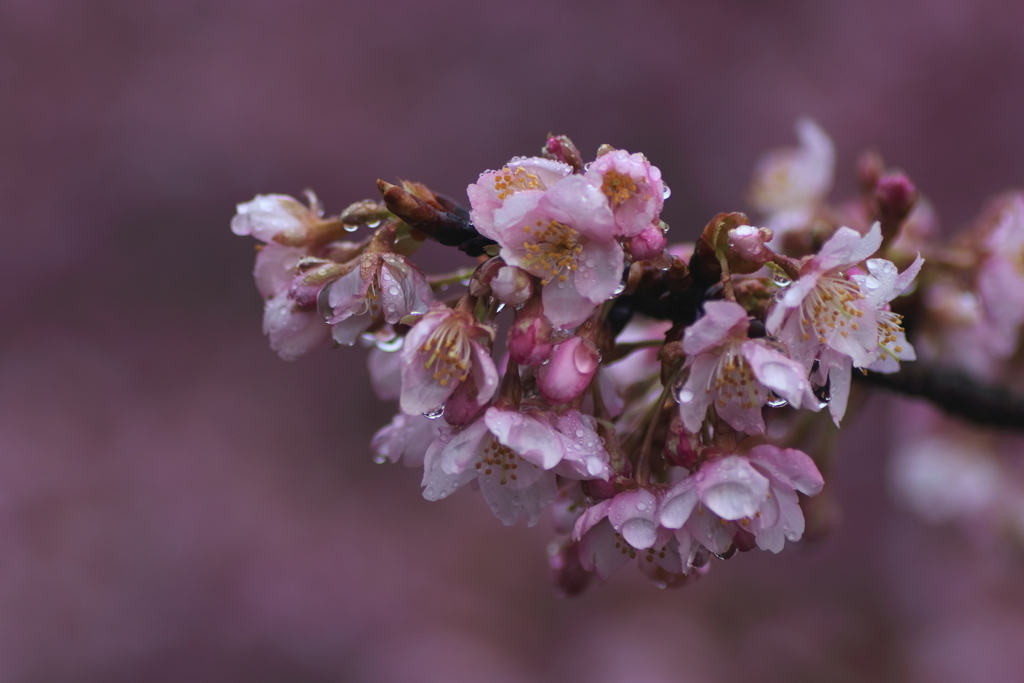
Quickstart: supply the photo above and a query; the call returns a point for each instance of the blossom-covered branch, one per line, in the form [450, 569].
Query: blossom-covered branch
[651, 399]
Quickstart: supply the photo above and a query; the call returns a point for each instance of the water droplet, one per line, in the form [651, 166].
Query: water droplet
[351, 228]
[393, 290]
[499, 308]
[392, 344]
[823, 394]
[775, 401]
[380, 458]
[781, 280]
[434, 414]
[619, 289]
[666, 191]
[684, 395]
[642, 507]
[698, 558]
[373, 225]
[579, 433]
[323, 307]
[729, 552]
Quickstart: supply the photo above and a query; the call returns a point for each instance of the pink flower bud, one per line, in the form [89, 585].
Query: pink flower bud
[529, 340]
[648, 244]
[561, 148]
[569, 371]
[567, 573]
[896, 196]
[463, 406]
[748, 243]
[512, 286]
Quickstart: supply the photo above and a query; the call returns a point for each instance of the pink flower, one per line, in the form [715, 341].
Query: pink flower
[733, 373]
[755, 494]
[382, 285]
[526, 176]
[633, 187]
[569, 371]
[1001, 276]
[280, 218]
[293, 331]
[624, 528]
[514, 457]
[566, 237]
[825, 311]
[882, 284]
[441, 351]
[790, 184]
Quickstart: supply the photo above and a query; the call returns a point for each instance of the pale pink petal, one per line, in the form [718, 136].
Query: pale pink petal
[783, 375]
[678, 504]
[509, 501]
[385, 373]
[564, 306]
[406, 438]
[531, 437]
[293, 333]
[347, 331]
[731, 488]
[793, 468]
[634, 515]
[275, 268]
[710, 530]
[584, 455]
[721, 320]
[845, 248]
[594, 514]
[600, 269]
[602, 552]
[695, 396]
[576, 202]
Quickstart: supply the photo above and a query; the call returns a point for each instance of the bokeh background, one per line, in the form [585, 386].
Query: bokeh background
[178, 504]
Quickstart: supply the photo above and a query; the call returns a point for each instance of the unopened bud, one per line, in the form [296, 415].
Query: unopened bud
[648, 244]
[463, 406]
[529, 338]
[561, 148]
[480, 281]
[366, 212]
[567, 573]
[870, 166]
[896, 196]
[307, 285]
[512, 286]
[569, 371]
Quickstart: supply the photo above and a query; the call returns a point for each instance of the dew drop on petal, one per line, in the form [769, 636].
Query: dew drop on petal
[775, 401]
[434, 414]
[323, 307]
[351, 228]
[666, 191]
[380, 459]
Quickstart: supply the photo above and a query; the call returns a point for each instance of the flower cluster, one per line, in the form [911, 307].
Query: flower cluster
[654, 399]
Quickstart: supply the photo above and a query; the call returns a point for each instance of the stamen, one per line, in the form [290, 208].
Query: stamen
[552, 248]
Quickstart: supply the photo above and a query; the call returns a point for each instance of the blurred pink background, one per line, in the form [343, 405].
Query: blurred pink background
[178, 504]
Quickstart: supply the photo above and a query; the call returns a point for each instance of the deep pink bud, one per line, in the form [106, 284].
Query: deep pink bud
[567, 573]
[648, 244]
[529, 339]
[569, 371]
[561, 148]
[896, 196]
[463, 406]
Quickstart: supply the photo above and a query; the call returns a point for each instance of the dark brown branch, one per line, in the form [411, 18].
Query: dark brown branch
[450, 227]
[955, 392]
